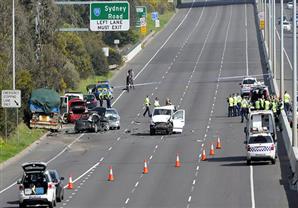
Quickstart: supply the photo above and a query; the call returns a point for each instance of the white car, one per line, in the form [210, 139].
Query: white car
[36, 187]
[246, 85]
[261, 147]
[287, 26]
[290, 5]
[167, 119]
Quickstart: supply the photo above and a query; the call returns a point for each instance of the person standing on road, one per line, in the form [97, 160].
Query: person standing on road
[239, 99]
[147, 106]
[287, 99]
[168, 101]
[156, 102]
[230, 101]
[244, 109]
[235, 99]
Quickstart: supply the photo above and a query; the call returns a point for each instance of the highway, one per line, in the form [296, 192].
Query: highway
[185, 60]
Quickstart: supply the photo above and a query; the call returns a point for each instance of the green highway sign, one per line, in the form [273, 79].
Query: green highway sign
[109, 16]
[141, 13]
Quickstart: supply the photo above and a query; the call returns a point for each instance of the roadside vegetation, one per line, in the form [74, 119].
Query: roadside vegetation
[63, 61]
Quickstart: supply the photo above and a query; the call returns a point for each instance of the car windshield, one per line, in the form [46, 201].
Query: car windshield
[111, 112]
[104, 86]
[89, 97]
[162, 112]
[260, 139]
[249, 81]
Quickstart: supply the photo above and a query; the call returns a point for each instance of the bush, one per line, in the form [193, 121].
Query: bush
[114, 57]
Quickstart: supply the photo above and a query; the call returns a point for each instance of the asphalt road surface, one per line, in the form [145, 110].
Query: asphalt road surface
[183, 62]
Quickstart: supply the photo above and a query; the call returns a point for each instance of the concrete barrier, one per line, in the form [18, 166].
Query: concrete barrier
[292, 152]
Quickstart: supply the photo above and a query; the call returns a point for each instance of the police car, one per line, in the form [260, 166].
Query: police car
[260, 147]
[104, 87]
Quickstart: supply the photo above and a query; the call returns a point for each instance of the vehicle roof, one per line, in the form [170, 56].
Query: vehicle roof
[170, 107]
[245, 78]
[261, 112]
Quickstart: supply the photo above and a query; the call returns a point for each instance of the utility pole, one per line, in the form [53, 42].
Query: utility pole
[13, 48]
[294, 129]
[270, 34]
[281, 93]
[274, 42]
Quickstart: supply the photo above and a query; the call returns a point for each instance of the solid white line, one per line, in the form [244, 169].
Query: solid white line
[285, 52]
[101, 159]
[252, 187]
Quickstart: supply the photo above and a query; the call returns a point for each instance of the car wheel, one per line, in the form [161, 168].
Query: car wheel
[107, 127]
[51, 204]
[118, 127]
[248, 162]
[152, 131]
[273, 161]
[22, 205]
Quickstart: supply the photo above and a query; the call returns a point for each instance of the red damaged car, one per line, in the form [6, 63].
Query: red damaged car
[77, 107]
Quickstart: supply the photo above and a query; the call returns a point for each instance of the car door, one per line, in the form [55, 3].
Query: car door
[178, 120]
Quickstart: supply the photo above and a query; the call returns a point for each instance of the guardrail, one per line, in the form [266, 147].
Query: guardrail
[292, 152]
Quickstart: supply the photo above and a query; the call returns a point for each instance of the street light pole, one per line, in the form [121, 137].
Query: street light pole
[270, 33]
[274, 42]
[281, 93]
[13, 48]
[294, 129]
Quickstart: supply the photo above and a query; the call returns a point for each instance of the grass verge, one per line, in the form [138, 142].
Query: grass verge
[13, 145]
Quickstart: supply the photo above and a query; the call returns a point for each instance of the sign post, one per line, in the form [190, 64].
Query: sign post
[141, 13]
[109, 16]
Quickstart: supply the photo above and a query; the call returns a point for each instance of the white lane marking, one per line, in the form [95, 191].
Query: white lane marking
[189, 198]
[82, 175]
[252, 192]
[150, 157]
[118, 138]
[126, 200]
[101, 159]
[285, 52]
[110, 148]
[73, 193]
[194, 182]
[137, 183]
[55, 157]
[156, 146]
[67, 200]
[133, 190]
[246, 44]
[70, 197]
[64, 204]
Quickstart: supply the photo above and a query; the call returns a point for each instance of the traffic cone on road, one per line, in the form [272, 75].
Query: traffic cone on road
[111, 176]
[212, 150]
[218, 144]
[70, 183]
[177, 165]
[145, 171]
[203, 155]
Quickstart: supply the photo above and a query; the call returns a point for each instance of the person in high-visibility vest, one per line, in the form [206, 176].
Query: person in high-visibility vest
[258, 104]
[230, 101]
[262, 102]
[147, 105]
[109, 97]
[267, 105]
[239, 99]
[244, 109]
[101, 97]
[156, 102]
[287, 99]
[235, 105]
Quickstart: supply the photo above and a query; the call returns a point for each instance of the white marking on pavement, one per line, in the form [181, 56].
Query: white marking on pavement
[137, 183]
[197, 168]
[189, 198]
[110, 148]
[101, 159]
[126, 200]
[150, 157]
[252, 193]
[194, 182]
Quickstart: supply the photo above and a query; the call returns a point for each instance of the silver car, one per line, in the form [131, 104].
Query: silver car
[113, 117]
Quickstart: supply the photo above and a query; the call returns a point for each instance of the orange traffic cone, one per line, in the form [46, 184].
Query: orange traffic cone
[70, 184]
[203, 155]
[212, 150]
[218, 144]
[111, 176]
[145, 171]
[177, 165]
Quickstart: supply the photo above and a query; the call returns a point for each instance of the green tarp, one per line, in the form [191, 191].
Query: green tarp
[46, 100]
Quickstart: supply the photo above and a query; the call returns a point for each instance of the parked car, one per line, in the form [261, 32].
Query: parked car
[36, 187]
[261, 146]
[287, 26]
[290, 5]
[283, 19]
[77, 107]
[90, 101]
[91, 122]
[113, 117]
[58, 181]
